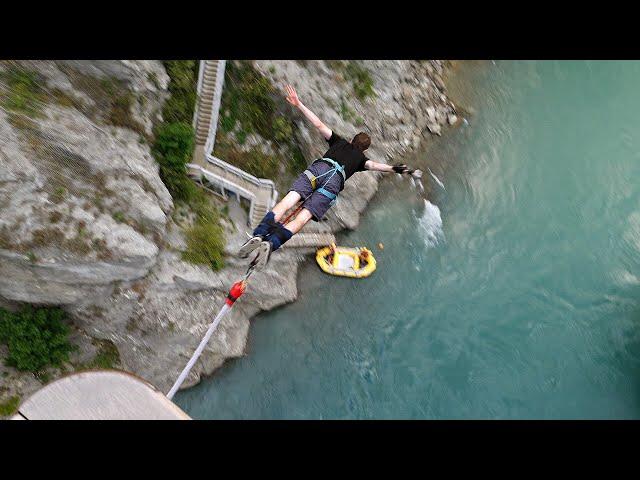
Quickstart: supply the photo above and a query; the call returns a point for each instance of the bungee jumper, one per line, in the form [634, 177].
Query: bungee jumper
[317, 188]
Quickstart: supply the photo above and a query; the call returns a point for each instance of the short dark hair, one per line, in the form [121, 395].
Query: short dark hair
[361, 141]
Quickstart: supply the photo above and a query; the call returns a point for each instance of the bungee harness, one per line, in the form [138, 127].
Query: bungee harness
[314, 180]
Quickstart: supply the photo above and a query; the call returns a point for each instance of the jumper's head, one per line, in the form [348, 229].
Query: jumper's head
[361, 141]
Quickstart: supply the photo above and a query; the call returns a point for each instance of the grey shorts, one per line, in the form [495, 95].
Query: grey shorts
[315, 202]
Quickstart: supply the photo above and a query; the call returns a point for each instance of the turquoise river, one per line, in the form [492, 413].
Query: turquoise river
[514, 292]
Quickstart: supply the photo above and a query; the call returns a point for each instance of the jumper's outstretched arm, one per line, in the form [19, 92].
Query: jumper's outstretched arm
[380, 167]
[397, 168]
[292, 98]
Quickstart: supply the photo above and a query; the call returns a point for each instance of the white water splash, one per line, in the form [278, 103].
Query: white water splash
[431, 224]
[437, 180]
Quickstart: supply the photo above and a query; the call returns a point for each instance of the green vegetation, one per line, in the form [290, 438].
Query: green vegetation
[37, 337]
[119, 217]
[253, 160]
[58, 195]
[183, 89]
[349, 115]
[174, 137]
[205, 237]
[65, 100]
[113, 99]
[346, 112]
[119, 113]
[360, 80]
[251, 105]
[23, 92]
[153, 78]
[107, 357]
[247, 101]
[353, 71]
[173, 148]
[10, 406]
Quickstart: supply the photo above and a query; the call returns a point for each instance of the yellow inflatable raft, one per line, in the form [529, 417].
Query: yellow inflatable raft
[346, 262]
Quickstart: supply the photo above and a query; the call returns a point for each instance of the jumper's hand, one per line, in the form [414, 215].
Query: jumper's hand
[292, 96]
[416, 173]
[400, 168]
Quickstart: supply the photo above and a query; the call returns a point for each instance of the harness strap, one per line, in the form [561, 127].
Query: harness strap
[337, 166]
[327, 193]
[314, 180]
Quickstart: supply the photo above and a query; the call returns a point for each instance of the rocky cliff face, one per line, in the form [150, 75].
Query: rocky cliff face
[85, 220]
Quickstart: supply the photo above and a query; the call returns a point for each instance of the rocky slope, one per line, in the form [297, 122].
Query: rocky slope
[85, 221]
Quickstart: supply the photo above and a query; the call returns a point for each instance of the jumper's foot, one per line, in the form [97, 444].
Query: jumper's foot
[264, 254]
[249, 246]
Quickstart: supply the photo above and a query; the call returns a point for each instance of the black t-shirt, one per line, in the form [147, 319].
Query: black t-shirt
[345, 154]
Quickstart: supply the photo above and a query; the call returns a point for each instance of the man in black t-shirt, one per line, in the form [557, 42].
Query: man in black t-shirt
[317, 187]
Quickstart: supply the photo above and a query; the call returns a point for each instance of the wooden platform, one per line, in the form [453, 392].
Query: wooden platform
[99, 395]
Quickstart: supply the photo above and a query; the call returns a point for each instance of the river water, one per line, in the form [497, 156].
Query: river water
[514, 292]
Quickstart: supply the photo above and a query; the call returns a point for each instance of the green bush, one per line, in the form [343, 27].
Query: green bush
[205, 238]
[183, 89]
[205, 245]
[172, 149]
[36, 337]
[108, 356]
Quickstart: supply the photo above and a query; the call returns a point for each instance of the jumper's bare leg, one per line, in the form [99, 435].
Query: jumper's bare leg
[295, 225]
[289, 200]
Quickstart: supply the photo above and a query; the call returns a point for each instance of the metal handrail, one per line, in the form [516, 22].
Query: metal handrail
[223, 181]
[228, 185]
[259, 182]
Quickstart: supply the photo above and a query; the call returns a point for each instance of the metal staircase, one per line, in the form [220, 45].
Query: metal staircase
[260, 192]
